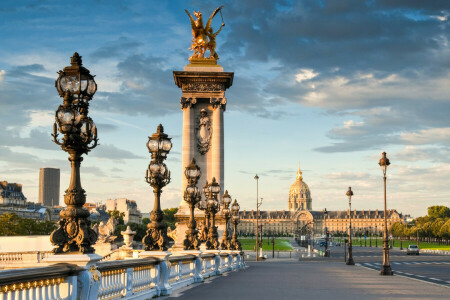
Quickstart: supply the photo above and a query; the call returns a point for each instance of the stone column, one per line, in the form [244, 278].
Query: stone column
[217, 146]
[188, 142]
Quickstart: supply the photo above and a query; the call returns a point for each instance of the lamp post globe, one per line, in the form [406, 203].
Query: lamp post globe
[386, 268]
[212, 207]
[192, 196]
[235, 244]
[350, 260]
[157, 176]
[226, 200]
[76, 86]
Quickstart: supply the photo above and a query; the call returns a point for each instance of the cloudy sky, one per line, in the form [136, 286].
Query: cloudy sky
[331, 84]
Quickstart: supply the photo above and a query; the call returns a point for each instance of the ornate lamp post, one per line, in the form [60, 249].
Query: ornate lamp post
[157, 176]
[235, 244]
[350, 249]
[257, 217]
[226, 200]
[386, 269]
[192, 196]
[77, 86]
[376, 236]
[325, 214]
[205, 224]
[212, 207]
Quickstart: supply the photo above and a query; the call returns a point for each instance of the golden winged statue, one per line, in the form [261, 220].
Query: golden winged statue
[204, 37]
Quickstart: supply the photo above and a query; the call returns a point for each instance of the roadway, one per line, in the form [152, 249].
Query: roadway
[426, 267]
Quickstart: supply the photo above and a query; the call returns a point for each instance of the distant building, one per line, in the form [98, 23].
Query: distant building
[11, 195]
[300, 219]
[49, 179]
[129, 207]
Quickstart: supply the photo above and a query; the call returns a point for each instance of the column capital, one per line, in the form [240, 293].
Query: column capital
[187, 102]
[219, 103]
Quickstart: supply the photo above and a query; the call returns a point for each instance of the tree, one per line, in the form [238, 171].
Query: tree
[169, 216]
[145, 221]
[439, 211]
[444, 232]
[117, 215]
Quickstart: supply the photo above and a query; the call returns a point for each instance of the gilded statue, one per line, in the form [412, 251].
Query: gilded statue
[204, 37]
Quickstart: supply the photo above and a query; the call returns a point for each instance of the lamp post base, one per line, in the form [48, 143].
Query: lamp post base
[350, 262]
[386, 270]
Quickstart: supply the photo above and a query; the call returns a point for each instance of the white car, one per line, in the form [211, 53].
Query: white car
[412, 249]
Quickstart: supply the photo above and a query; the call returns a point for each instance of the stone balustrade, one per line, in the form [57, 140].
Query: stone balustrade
[8, 259]
[141, 278]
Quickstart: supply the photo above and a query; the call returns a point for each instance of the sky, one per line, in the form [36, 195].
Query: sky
[329, 84]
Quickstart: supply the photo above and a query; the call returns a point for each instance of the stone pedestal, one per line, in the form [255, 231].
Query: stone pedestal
[203, 102]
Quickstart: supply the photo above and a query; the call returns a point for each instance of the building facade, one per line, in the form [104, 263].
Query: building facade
[129, 207]
[11, 195]
[49, 184]
[301, 219]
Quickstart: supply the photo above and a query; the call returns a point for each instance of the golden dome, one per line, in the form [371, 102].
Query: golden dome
[299, 187]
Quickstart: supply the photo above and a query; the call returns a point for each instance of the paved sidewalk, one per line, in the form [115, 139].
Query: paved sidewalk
[291, 279]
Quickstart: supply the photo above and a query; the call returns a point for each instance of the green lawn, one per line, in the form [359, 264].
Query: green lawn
[280, 244]
[422, 245]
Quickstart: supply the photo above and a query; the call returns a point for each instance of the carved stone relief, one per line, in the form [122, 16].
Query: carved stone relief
[203, 132]
[203, 87]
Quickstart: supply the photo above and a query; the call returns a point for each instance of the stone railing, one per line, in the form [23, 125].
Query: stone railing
[28, 257]
[142, 278]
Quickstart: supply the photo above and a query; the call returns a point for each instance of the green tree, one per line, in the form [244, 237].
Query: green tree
[444, 232]
[439, 211]
[169, 216]
[145, 221]
[117, 215]
[9, 224]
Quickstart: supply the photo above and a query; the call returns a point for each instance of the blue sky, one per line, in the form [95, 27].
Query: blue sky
[331, 84]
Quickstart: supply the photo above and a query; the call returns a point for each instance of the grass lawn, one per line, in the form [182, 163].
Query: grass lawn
[422, 245]
[280, 244]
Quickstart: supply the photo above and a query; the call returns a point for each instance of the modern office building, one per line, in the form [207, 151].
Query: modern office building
[49, 180]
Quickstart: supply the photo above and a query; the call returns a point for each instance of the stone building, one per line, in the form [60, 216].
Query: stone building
[11, 194]
[301, 219]
[49, 186]
[129, 207]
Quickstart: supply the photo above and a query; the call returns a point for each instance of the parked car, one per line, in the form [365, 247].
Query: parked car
[412, 249]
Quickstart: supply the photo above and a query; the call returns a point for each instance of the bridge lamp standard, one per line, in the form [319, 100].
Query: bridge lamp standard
[386, 268]
[157, 176]
[350, 261]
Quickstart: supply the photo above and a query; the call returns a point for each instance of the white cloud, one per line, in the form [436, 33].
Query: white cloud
[426, 136]
[350, 123]
[305, 74]
[2, 75]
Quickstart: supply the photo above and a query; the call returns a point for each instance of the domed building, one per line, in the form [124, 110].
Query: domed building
[299, 194]
[301, 219]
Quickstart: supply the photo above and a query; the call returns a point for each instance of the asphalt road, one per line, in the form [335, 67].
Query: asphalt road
[426, 267]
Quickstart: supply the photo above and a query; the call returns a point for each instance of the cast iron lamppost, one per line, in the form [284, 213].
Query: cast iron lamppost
[325, 214]
[157, 176]
[257, 217]
[350, 250]
[386, 269]
[201, 205]
[77, 86]
[376, 236]
[226, 200]
[192, 196]
[212, 207]
[235, 244]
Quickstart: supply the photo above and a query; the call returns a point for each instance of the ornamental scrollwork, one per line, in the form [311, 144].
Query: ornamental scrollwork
[203, 87]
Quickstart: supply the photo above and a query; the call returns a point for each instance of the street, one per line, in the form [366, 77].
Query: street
[426, 267]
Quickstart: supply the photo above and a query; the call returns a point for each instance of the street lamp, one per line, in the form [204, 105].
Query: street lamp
[325, 215]
[257, 217]
[226, 200]
[376, 236]
[212, 207]
[192, 196]
[157, 176]
[386, 269]
[350, 250]
[77, 87]
[235, 244]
